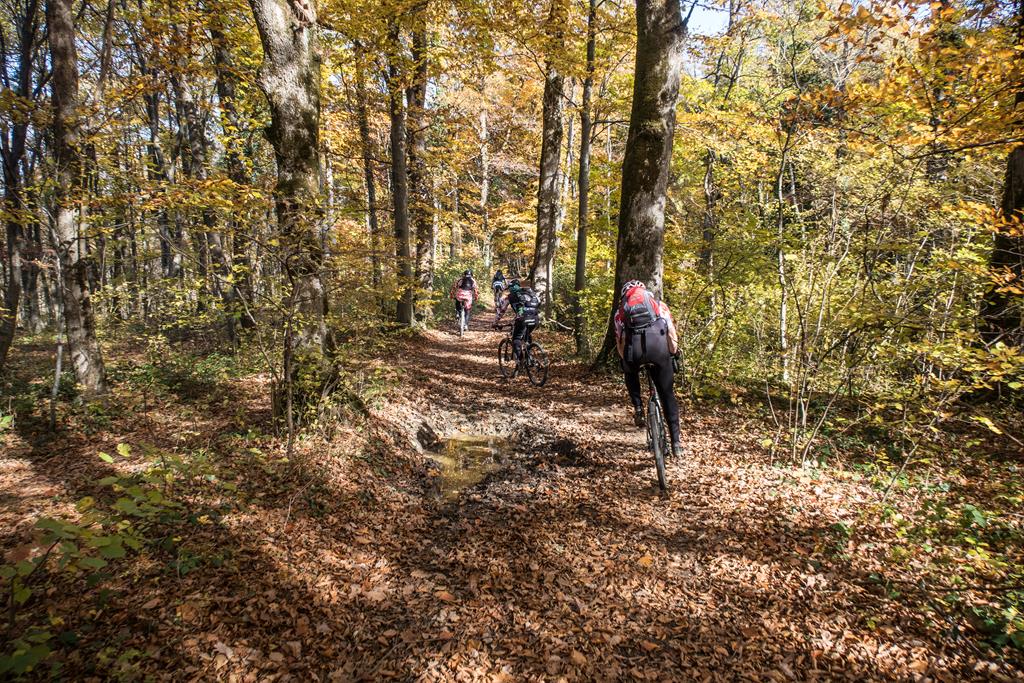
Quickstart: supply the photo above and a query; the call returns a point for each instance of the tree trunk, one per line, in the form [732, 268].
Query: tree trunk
[1001, 307]
[400, 187]
[290, 79]
[12, 154]
[369, 180]
[548, 188]
[709, 229]
[421, 208]
[661, 32]
[485, 180]
[239, 295]
[1001, 313]
[81, 327]
[583, 218]
[455, 248]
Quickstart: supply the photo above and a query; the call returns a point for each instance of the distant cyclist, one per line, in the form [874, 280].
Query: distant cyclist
[464, 292]
[498, 284]
[646, 335]
[525, 304]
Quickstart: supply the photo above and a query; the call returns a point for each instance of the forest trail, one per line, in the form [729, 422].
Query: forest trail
[568, 562]
[565, 564]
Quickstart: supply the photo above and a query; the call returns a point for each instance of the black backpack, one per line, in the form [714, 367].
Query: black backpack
[526, 302]
[467, 283]
[639, 309]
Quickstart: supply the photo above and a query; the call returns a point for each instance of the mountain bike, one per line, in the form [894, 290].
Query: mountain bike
[657, 429]
[534, 360]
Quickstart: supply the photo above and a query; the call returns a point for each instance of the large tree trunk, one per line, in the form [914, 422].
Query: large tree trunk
[400, 187]
[1001, 308]
[290, 79]
[81, 326]
[421, 207]
[548, 188]
[661, 32]
[583, 218]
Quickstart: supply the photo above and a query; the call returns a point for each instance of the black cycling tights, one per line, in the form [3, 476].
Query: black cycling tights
[663, 378]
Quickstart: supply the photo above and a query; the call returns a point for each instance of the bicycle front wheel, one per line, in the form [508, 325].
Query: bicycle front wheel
[506, 358]
[659, 441]
[537, 364]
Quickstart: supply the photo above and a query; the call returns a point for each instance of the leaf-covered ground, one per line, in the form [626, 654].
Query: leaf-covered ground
[565, 564]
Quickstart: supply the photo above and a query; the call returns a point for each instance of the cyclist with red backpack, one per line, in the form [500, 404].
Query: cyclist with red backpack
[464, 292]
[525, 303]
[646, 335]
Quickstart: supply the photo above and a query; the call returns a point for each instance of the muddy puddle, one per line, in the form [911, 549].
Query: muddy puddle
[465, 460]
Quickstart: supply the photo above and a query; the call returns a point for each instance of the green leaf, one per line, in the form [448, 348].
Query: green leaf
[85, 504]
[124, 449]
[113, 551]
[127, 505]
[106, 458]
[21, 594]
[92, 563]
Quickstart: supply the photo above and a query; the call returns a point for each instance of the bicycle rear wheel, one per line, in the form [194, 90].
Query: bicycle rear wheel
[462, 321]
[537, 364]
[506, 358]
[659, 441]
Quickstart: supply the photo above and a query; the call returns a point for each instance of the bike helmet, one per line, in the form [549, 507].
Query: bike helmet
[514, 284]
[468, 273]
[630, 285]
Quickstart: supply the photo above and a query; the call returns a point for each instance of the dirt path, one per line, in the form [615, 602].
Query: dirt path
[566, 564]
[569, 562]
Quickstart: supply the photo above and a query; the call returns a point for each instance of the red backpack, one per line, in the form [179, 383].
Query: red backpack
[639, 309]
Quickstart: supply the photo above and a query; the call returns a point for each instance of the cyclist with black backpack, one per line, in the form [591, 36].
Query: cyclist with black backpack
[525, 303]
[646, 335]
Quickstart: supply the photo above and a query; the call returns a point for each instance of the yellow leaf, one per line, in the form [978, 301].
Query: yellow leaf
[646, 561]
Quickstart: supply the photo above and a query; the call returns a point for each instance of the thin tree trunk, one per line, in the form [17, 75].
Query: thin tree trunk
[709, 229]
[485, 182]
[421, 208]
[583, 185]
[661, 32]
[400, 186]
[81, 327]
[13, 150]
[239, 295]
[366, 143]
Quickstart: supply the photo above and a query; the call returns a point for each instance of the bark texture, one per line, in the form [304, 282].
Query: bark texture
[549, 188]
[290, 79]
[12, 151]
[400, 187]
[661, 32]
[420, 205]
[1001, 311]
[78, 312]
[583, 184]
